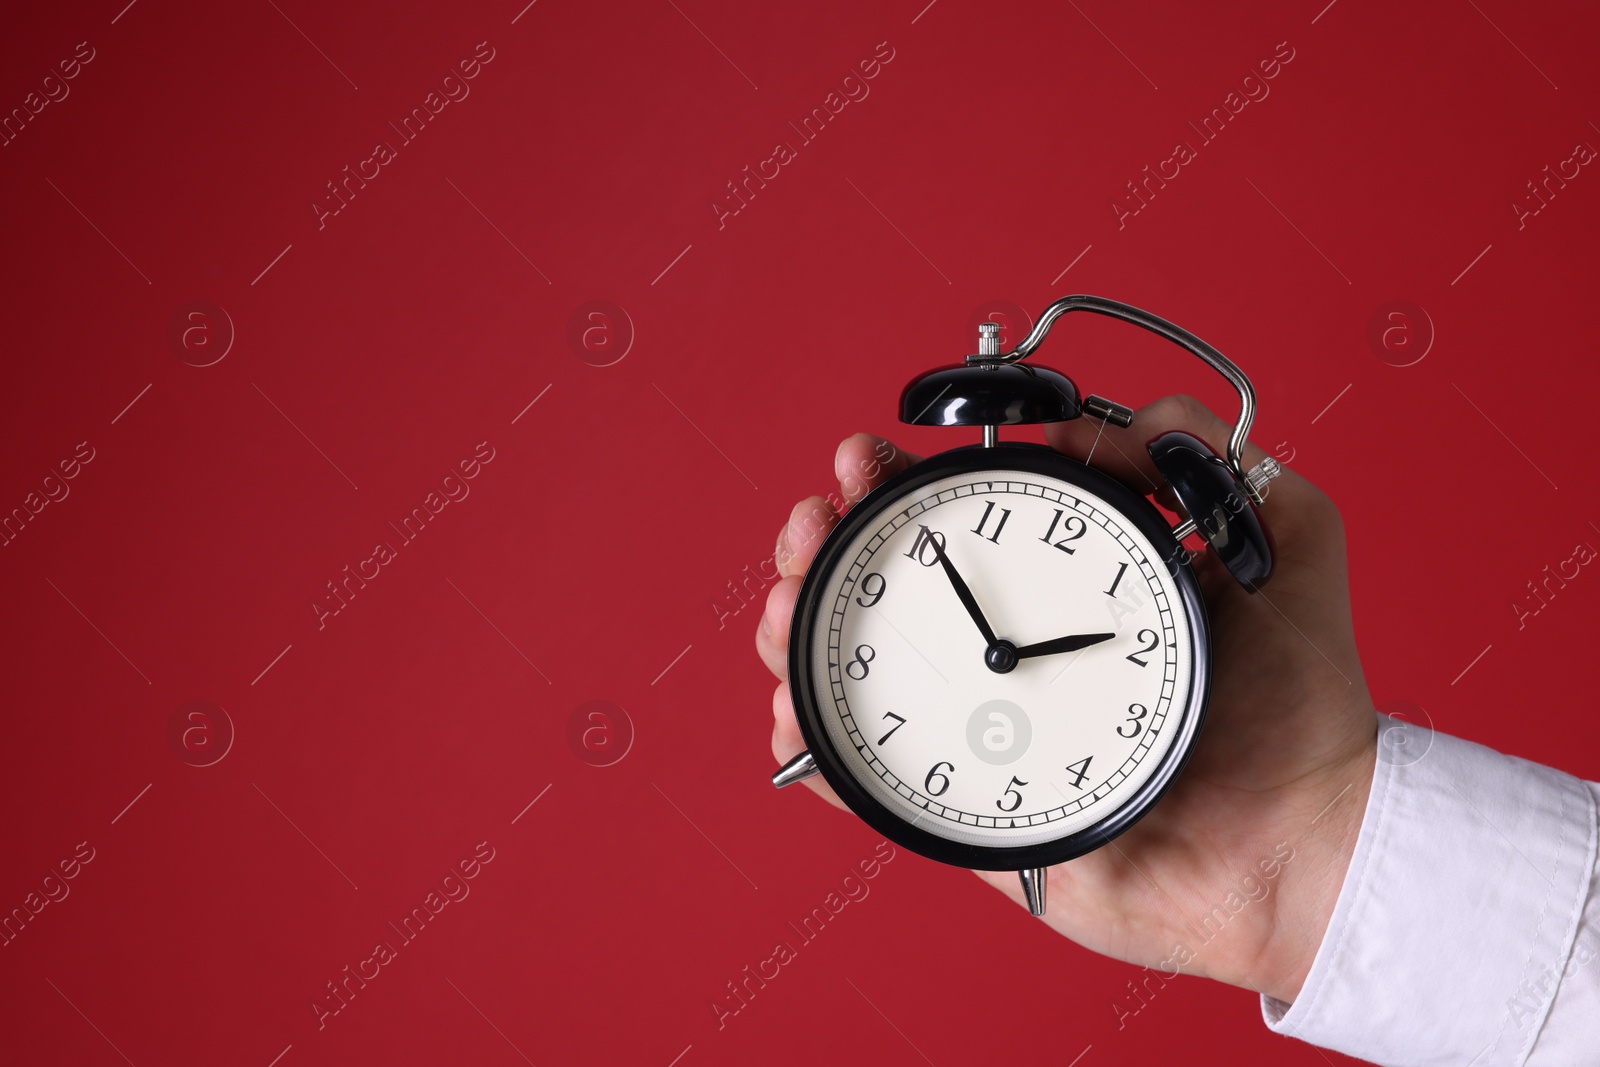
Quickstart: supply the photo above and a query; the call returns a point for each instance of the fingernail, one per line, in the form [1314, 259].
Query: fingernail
[766, 625]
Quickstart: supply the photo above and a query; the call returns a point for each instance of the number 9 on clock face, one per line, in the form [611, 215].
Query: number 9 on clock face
[1000, 658]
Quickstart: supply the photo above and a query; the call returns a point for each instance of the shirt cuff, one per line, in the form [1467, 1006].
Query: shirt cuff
[1462, 899]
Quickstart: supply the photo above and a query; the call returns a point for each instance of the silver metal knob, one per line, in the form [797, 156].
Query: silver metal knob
[988, 338]
[1257, 477]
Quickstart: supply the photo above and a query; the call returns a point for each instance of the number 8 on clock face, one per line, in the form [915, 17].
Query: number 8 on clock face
[1000, 658]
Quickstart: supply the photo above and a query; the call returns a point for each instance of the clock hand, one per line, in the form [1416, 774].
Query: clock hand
[967, 599]
[1062, 644]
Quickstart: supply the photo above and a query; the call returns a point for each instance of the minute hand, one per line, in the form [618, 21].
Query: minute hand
[1062, 644]
[968, 601]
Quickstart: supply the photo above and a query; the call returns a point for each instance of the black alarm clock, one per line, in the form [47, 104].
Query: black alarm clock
[1000, 658]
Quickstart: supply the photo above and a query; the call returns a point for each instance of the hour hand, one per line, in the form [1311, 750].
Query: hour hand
[968, 601]
[1062, 644]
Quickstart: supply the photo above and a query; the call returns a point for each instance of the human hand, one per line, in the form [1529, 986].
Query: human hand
[1272, 799]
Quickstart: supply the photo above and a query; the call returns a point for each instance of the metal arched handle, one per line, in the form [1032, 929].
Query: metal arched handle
[1177, 335]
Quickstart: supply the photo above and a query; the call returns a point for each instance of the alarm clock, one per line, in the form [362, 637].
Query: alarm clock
[1000, 658]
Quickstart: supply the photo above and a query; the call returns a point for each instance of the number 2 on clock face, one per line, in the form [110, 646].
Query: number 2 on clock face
[981, 756]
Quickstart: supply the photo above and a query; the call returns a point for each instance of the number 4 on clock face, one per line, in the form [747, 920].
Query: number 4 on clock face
[1079, 771]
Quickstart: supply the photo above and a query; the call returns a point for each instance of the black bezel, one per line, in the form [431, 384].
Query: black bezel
[1034, 459]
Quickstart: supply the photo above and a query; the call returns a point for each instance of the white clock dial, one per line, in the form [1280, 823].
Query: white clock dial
[1001, 759]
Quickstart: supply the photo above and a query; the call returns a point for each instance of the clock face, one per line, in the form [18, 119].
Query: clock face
[913, 710]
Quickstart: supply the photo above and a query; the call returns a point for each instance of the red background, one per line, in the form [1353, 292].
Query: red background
[589, 558]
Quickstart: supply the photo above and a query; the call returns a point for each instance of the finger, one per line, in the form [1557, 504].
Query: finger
[802, 535]
[861, 463]
[772, 632]
[787, 743]
[864, 462]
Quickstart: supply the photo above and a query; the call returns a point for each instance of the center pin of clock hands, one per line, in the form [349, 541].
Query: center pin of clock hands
[999, 655]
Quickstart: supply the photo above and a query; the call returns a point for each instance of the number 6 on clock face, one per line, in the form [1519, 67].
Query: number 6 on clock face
[1046, 743]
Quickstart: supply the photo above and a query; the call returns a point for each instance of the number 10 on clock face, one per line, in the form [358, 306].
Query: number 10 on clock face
[1003, 659]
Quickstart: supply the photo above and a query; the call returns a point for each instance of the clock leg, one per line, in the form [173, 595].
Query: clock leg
[1033, 883]
[798, 769]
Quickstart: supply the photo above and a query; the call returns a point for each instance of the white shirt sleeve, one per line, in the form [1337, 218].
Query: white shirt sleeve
[1467, 930]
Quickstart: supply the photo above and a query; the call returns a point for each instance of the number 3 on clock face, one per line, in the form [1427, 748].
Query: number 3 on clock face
[1010, 760]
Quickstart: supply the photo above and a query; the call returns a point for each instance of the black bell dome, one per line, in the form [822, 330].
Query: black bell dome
[992, 394]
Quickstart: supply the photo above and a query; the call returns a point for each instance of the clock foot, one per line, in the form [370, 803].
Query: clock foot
[1033, 883]
[798, 769]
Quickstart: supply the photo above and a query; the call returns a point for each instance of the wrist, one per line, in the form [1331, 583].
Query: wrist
[1327, 822]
